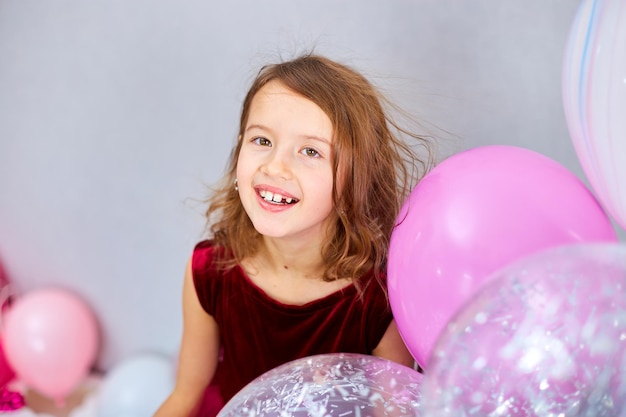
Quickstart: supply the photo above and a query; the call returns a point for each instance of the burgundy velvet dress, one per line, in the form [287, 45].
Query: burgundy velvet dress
[258, 333]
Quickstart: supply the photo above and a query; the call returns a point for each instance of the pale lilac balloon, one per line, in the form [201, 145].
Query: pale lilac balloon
[51, 340]
[136, 386]
[594, 98]
[545, 337]
[331, 385]
[471, 215]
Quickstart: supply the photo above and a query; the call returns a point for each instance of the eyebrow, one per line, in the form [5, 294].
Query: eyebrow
[266, 129]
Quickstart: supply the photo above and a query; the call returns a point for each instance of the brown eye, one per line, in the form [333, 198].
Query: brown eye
[310, 152]
[262, 141]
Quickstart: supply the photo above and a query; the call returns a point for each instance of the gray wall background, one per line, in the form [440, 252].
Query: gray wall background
[115, 115]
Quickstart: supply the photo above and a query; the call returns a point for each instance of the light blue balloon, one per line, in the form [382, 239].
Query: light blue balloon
[136, 386]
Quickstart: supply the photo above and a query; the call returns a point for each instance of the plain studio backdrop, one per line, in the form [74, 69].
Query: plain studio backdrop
[115, 116]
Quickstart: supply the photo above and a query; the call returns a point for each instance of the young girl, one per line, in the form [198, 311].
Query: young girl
[299, 234]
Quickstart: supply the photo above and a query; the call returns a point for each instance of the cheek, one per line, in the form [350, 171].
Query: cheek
[241, 172]
[324, 189]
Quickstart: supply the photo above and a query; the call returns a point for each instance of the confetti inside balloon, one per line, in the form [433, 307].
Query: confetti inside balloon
[331, 385]
[545, 337]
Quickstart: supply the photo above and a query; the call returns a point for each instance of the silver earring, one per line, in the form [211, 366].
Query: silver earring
[236, 187]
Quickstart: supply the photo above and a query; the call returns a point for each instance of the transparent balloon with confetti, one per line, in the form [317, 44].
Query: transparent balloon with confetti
[545, 337]
[331, 385]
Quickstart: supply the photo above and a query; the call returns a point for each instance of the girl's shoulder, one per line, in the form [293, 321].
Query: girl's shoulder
[206, 254]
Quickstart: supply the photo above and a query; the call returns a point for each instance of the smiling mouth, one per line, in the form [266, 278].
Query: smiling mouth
[276, 198]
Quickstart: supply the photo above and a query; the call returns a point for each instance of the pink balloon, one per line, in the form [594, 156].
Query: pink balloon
[474, 213]
[4, 280]
[594, 98]
[51, 339]
[6, 373]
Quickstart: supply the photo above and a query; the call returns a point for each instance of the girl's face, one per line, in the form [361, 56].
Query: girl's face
[284, 170]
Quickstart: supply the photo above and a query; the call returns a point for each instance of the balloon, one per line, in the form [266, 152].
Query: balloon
[50, 338]
[4, 280]
[10, 400]
[594, 98]
[545, 337]
[6, 372]
[136, 386]
[330, 385]
[474, 213]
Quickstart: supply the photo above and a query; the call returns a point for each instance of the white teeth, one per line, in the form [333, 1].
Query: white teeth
[274, 197]
[267, 195]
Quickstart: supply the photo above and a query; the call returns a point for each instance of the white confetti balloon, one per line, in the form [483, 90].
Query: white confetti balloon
[546, 337]
[331, 385]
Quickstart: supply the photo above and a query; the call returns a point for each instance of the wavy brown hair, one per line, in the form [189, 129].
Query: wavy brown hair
[374, 169]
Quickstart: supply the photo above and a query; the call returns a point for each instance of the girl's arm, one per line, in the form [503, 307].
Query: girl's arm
[392, 347]
[198, 355]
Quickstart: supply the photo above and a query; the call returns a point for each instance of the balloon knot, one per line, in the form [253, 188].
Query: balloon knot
[10, 400]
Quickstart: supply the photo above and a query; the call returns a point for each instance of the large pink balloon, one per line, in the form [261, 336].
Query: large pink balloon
[50, 339]
[474, 213]
[594, 98]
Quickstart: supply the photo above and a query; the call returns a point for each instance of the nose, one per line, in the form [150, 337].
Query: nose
[278, 164]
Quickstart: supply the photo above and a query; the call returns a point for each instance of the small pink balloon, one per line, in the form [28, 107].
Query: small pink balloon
[471, 215]
[50, 338]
